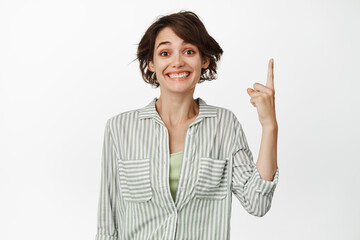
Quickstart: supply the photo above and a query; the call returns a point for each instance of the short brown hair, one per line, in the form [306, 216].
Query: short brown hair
[188, 26]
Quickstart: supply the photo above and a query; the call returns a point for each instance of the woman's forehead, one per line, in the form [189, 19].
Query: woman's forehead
[167, 36]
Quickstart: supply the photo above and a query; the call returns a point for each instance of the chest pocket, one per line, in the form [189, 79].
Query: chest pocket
[212, 178]
[134, 175]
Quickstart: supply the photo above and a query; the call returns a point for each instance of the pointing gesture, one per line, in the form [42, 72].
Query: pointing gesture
[263, 98]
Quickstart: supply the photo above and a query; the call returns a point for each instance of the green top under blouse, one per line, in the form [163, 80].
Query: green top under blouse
[175, 166]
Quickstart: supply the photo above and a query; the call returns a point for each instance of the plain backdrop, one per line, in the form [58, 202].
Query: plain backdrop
[67, 66]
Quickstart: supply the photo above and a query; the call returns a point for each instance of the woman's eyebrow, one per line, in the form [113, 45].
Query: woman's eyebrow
[168, 42]
[162, 43]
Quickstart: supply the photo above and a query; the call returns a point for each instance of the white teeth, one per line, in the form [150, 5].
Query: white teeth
[181, 75]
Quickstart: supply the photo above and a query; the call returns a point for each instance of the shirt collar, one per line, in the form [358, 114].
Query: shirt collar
[205, 110]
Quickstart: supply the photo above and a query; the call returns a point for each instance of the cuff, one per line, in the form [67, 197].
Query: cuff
[263, 186]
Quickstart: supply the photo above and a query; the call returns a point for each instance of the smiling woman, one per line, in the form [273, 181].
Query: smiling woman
[169, 169]
[175, 61]
[186, 26]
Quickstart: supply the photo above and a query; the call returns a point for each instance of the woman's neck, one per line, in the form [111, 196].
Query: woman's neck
[177, 110]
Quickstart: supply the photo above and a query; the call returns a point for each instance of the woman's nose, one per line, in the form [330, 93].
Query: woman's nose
[178, 60]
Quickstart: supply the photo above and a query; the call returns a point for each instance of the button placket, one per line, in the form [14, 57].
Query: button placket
[181, 187]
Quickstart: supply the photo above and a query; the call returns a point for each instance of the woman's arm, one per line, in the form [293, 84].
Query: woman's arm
[253, 192]
[107, 215]
[263, 98]
[267, 159]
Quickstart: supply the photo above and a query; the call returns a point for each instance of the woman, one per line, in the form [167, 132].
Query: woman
[169, 169]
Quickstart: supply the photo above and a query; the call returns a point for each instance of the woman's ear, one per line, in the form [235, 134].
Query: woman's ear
[205, 62]
[151, 66]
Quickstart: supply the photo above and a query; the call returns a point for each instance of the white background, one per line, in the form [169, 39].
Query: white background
[66, 67]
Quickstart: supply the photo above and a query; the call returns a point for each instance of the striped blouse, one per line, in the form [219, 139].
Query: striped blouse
[135, 199]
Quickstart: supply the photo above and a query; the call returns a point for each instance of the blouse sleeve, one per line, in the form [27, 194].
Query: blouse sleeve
[107, 216]
[254, 193]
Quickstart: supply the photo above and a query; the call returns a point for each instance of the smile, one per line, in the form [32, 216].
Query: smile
[178, 75]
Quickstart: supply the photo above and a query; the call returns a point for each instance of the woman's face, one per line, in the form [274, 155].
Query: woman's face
[177, 64]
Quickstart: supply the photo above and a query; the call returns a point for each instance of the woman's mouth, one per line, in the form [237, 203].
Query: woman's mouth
[178, 76]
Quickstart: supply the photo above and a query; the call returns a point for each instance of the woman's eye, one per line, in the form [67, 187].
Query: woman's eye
[164, 54]
[189, 52]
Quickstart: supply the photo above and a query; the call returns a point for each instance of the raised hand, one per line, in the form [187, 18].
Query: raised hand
[263, 98]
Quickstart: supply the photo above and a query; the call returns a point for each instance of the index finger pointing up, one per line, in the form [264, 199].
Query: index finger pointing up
[270, 75]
